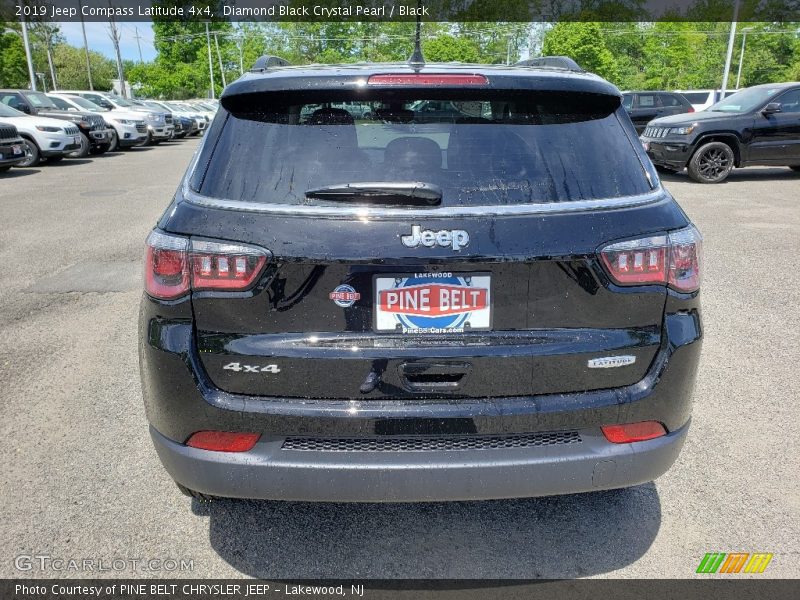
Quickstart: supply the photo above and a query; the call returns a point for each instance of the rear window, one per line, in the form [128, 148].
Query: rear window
[532, 147]
[696, 97]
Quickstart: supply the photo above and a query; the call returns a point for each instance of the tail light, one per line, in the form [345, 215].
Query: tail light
[633, 432]
[691, 109]
[223, 441]
[673, 259]
[174, 265]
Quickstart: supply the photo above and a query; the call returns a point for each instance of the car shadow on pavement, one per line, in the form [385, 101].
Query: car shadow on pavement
[748, 174]
[20, 172]
[67, 162]
[554, 537]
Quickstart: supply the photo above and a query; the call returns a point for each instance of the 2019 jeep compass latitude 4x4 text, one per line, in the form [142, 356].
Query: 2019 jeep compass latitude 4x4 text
[379, 305]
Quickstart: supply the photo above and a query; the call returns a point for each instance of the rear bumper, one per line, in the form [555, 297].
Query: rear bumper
[269, 471]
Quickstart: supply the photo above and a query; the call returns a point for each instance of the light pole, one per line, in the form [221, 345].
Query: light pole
[210, 64]
[741, 56]
[730, 49]
[86, 48]
[27, 45]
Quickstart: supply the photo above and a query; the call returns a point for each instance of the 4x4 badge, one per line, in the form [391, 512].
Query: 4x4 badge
[452, 238]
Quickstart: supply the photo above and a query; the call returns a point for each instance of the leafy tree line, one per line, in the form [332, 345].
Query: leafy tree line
[661, 55]
[679, 55]
[69, 62]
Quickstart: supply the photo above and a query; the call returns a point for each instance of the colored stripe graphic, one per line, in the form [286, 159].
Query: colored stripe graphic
[734, 562]
[758, 562]
[711, 562]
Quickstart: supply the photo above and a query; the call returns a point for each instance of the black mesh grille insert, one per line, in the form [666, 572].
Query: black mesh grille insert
[432, 443]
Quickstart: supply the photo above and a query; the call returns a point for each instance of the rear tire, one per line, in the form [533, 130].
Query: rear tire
[192, 494]
[84, 150]
[32, 155]
[712, 163]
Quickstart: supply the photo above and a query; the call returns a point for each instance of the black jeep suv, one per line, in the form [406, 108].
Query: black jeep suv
[756, 126]
[95, 134]
[643, 107]
[378, 306]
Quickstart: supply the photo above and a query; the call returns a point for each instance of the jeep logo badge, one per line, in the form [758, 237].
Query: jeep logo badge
[446, 238]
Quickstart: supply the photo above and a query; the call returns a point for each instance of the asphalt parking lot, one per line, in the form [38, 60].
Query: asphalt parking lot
[80, 479]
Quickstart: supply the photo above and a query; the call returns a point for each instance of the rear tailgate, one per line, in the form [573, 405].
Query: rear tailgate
[552, 310]
[496, 292]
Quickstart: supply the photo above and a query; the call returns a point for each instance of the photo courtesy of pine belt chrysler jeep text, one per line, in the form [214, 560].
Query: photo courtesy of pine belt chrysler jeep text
[354, 298]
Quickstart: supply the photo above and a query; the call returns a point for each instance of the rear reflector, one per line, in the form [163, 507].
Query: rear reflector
[633, 432]
[223, 441]
[673, 259]
[444, 79]
[174, 265]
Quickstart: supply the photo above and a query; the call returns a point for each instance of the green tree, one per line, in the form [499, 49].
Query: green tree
[583, 42]
[70, 65]
[496, 42]
[626, 43]
[13, 68]
[446, 48]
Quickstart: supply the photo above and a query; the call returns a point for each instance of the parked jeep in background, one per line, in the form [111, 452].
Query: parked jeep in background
[11, 147]
[42, 137]
[158, 122]
[643, 107]
[756, 126]
[95, 135]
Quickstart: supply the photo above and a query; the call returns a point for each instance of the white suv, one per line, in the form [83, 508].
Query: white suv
[159, 124]
[42, 138]
[702, 99]
[129, 125]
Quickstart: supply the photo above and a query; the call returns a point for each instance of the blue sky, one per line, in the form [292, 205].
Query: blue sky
[97, 35]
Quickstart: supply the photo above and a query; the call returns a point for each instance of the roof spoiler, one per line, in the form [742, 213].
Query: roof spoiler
[267, 62]
[551, 62]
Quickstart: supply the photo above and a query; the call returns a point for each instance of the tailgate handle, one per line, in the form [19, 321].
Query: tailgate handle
[427, 376]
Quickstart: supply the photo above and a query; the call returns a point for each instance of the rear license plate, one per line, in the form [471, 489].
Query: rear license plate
[15, 150]
[76, 140]
[433, 302]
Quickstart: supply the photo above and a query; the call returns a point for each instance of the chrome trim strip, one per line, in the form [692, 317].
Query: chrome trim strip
[450, 212]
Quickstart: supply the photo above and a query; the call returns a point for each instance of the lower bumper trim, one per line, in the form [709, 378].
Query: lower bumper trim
[269, 471]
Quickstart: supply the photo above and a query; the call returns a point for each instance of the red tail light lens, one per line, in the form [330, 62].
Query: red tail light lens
[685, 258]
[223, 441]
[691, 109]
[672, 259]
[166, 269]
[633, 432]
[218, 266]
[174, 265]
[447, 79]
